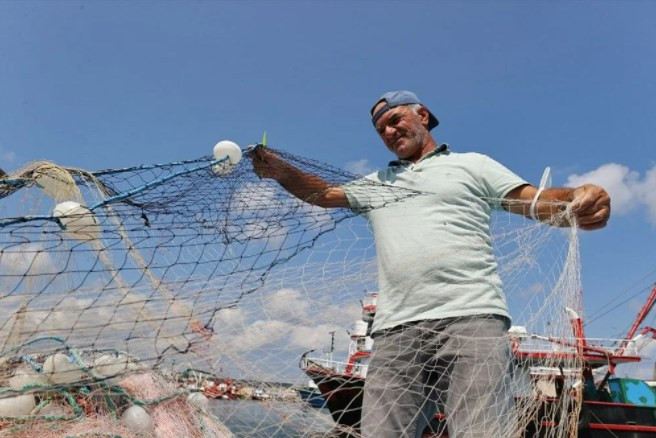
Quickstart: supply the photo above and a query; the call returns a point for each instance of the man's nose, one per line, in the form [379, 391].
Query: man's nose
[389, 132]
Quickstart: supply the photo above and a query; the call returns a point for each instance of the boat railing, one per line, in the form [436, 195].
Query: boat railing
[334, 366]
[544, 344]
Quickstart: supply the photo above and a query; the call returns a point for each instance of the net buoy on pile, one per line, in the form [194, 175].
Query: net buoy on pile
[230, 149]
[18, 406]
[61, 370]
[79, 222]
[26, 377]
[54, 410]
[137, 419]
[111, 365]
[198, 400]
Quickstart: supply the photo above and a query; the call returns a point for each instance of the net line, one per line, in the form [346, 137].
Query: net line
[182, 266]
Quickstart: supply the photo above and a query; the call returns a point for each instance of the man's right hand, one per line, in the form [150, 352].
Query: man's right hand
[305, 186]
[267, 164]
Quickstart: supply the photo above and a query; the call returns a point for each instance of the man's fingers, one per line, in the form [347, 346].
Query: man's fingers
[592, 227]
[598, 216]
[595, 216]
[585, 201]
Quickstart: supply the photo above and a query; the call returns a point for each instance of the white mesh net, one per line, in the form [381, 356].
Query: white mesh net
[209, 301]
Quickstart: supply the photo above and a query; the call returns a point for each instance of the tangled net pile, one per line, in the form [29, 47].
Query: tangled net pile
[162, 280]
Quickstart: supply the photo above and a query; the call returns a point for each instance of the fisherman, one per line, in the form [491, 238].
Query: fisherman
[441, 325]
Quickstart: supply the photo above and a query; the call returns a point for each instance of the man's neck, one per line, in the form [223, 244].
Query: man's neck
[426, 149]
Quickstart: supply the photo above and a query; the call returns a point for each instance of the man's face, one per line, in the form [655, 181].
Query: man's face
[402, 131]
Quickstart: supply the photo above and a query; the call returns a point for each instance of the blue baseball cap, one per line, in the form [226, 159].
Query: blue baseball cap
[398, 98]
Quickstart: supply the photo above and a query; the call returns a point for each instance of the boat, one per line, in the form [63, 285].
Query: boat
[261, 395]
[610, 406]
[342, 383]
[210, 385]
[311, 395]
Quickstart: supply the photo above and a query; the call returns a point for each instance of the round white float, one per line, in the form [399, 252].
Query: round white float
[18, 406]
[137, 419]
[110, 365]
[61, 371]
[230, 149]
[55, 410]
[198, 400]
[80, 222]
[26, 376]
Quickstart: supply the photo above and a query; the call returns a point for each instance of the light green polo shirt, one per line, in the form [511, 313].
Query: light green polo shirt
[434, 249]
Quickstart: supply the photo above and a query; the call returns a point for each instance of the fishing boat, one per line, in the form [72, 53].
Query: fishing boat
[311, 395]
[610, 406]
[341, 383]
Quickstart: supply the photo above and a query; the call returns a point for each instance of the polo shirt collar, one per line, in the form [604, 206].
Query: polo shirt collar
[438, 150]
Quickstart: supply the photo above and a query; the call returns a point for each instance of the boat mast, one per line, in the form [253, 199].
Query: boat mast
[332, 344]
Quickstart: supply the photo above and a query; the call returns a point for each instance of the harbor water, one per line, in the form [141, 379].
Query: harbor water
[275, 419]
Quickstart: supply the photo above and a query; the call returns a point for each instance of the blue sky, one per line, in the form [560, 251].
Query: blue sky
[563, 84]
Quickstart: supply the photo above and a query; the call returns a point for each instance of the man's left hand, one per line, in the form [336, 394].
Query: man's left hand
[591, 206]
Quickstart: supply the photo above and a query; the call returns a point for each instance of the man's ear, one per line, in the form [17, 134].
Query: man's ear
[424, 115]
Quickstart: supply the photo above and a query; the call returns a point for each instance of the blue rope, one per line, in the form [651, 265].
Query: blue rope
[155, 183]
[4, 223]
[32, 341]
[149, 166]
[16, 182]
[18, 220]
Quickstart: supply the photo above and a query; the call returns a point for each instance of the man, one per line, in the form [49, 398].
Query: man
[441, 322]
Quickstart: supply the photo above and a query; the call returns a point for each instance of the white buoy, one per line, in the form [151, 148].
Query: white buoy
[80, 222]
[137, 419]
[198, 400]
[230, 149]
[55, 410]
[111, 365]
[26, 376]
[18, 406]
[60, 370]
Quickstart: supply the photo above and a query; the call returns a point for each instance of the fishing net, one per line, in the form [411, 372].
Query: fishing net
[162, 286]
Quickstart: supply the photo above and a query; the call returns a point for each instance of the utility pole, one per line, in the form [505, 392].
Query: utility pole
[332, 344]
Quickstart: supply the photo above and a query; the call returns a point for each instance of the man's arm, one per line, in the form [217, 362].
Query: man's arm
[590, 204]
[305, 186]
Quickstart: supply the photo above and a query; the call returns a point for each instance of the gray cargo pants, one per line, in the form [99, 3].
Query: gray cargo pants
[459, 366]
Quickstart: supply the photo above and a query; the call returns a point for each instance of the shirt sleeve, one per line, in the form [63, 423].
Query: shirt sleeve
[369, 193]
[361, 193]
[498, 181]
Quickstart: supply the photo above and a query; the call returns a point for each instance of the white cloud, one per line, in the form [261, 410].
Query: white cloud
[627, 189]
[641, 370]
[359, 167]
[259, 334]
[317, 337]
[287, 304]
[287, 320]
[26, 259]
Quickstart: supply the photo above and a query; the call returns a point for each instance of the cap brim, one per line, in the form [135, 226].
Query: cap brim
[432, 120]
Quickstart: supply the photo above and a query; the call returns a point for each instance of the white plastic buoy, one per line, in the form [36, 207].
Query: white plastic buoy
[55, 410]
[60, 370]
[111, 365]
[26, 376]
[198, 400]
[79, 221]
[137, 419]
[18, 406]
[230, 149]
